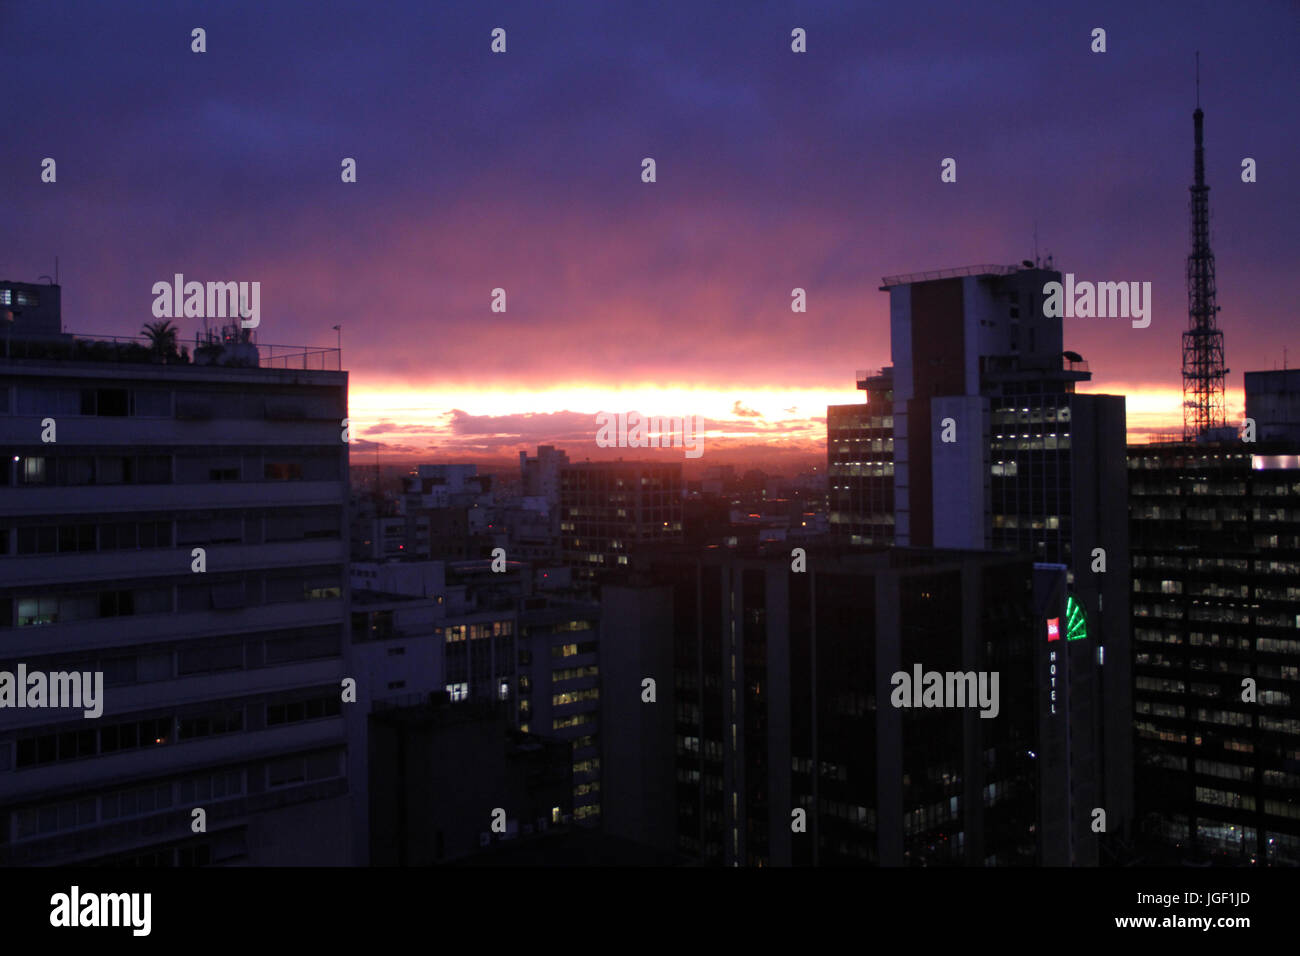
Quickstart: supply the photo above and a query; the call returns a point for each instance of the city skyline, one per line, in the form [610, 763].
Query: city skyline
[590, 437]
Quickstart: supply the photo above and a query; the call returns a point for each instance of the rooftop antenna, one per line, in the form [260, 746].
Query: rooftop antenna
[56, 270]
[1198, 79]
[1036, 263]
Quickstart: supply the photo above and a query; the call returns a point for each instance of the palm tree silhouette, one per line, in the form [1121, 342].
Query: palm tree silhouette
[162, 338]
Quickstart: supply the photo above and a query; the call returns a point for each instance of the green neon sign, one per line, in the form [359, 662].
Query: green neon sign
[1076, 622]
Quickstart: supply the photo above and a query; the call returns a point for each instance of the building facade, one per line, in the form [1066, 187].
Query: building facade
[180, 529]
[1216, 560]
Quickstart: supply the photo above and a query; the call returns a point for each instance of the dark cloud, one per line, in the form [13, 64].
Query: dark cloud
[521, 171]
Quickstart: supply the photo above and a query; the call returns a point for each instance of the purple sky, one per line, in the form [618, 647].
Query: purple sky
[522, 171]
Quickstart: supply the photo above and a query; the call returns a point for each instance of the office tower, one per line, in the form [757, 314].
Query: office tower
[559, 689]
[1216, 555]
[609, 508]
[994, 448]
[860, 463]
[1273, 403]
[638, 774]
[783, 701]
[181, 529]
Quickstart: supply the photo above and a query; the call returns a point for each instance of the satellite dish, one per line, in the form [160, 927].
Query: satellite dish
[1073, 356]
[1028, 264]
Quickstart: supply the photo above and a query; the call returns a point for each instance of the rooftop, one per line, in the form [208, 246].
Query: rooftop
[888, 282]
[137, 349]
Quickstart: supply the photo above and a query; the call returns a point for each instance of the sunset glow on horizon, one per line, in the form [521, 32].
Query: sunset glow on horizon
[497, 422]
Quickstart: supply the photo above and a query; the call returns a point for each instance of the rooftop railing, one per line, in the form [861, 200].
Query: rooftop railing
[135, 349]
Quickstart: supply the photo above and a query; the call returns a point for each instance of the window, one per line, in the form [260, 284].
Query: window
[112, 402]
[150, 404]
[211, 725]
[313, 708]
[33, 470]
[47, 400]
[209, 659]
[215, 786]
[283, 471]
[113, 470]
[283, 773]
[303, 647]
[320, 589]
[154, 469]
[75, 470]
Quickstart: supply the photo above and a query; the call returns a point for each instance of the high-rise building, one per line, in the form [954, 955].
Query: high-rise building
[609, 508]
[180, 529]
[559, 689]
[1216, 558]
[860, 463]
[790, 745]
[1273, 404]
[993, 448]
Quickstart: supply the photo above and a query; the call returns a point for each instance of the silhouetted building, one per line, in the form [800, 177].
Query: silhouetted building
[1066, 659]
[514, 637]
[540, 476]
[1273, 401]
[396, 658]
[1216, 559]
[449, 781]
[609, 508]
[790, 748]
[449, 513]
[993, 448]
[184, 534]
[860, 463]
[559, 689]
[31, 310]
